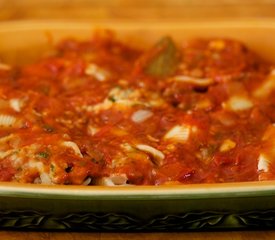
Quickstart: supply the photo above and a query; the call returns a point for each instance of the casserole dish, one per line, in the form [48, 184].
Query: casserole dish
[151, 208]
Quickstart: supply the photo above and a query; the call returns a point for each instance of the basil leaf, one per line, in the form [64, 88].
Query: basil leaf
[165, 61]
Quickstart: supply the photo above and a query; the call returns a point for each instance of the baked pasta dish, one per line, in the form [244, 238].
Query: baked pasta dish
[103, 112]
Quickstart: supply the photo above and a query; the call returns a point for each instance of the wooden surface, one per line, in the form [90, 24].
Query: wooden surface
[133, 10]
[245, 235]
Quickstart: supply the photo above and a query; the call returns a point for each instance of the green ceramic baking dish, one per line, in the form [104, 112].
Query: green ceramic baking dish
[133, 208]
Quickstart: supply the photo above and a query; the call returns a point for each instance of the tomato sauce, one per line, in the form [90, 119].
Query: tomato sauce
[100, 112]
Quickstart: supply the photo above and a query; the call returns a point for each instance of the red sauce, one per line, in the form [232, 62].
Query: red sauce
[100, 110]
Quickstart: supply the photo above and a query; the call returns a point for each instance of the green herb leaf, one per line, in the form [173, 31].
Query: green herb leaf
[48, 128]
[166, 59]
[52, 168]
[112, 98]
[43, 154]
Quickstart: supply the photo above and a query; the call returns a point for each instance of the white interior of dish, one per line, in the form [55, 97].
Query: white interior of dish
[36, 36]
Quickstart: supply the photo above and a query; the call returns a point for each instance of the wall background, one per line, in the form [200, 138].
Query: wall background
[135, 9]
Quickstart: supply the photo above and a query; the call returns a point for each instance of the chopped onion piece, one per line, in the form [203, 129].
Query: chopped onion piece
[179, 133]
[37, 165]
[267, 86]
[45, 178]
[4, 154]
[114, 180]
[238, 103]
[157, 155]
[124, 98]
[201, 82]
[7, 120]
[73, 146]
[127, 147]
[92, 130]
[87, 181]
[16, 104]
[267, 154]
[263, 163]
[227, 145]
[105, 181]
[269, 134]
[203, 104]
[119, 179]
[118, 97]
[99, 73]
[141, 115]
[37, 180]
